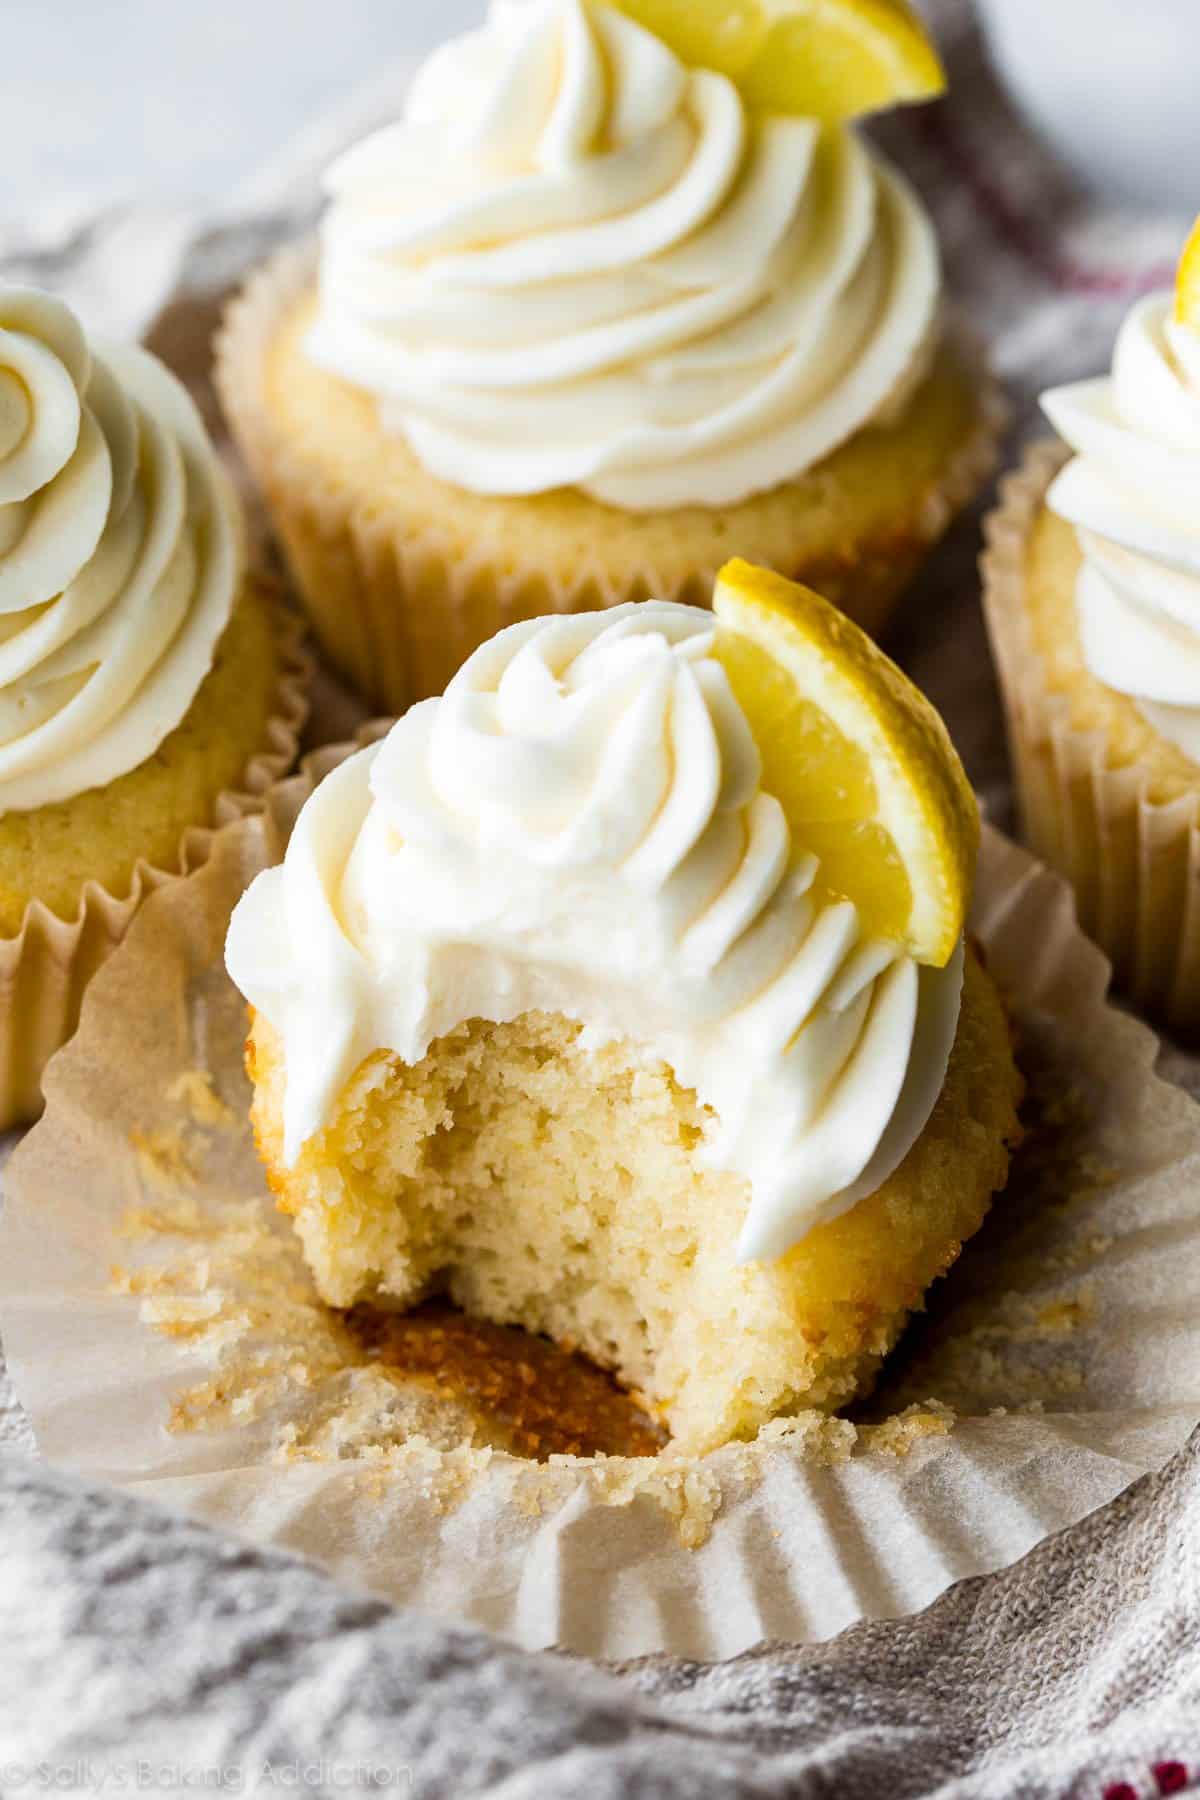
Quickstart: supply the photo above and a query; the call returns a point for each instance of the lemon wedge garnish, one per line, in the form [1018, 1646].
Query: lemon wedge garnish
[825, 59]
[1187, 282]
[858, 758]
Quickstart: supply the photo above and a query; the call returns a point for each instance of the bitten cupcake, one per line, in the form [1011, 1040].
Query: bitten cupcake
[148, 684]
[1093, 601]
[621, 995]
[587, 319]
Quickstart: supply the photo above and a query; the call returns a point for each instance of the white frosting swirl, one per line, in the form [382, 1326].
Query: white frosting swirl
[577, 826]
[1132, 492]
[120, 554]
[575, 262]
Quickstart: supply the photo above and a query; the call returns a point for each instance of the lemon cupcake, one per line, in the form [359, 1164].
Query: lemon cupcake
[1093, 601]
[589, 318]
[621, 995]
[148, 685]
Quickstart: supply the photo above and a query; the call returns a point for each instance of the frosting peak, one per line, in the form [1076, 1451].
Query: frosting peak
[575, 262]
[578, 826]
[1131, 494]
[596, 782]
[119, 555]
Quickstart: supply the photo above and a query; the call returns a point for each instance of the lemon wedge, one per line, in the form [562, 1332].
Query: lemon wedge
[825, 59]
[1187, 282]
[860, 761]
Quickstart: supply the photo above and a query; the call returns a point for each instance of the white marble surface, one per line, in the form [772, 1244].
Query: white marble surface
[179, 100]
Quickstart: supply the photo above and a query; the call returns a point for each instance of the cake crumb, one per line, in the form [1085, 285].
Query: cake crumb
[430, 1399]
[194, 1089]
[821, 1438]
[162, 1159]
[1059, 1318]
[899, 1435]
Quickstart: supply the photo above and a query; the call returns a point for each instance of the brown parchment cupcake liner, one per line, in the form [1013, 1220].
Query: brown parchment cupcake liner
[1134, 862]
[47, 965]
[399, 610]
[163, 1332]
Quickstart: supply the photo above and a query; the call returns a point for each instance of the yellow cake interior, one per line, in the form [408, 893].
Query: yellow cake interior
[540, 1182]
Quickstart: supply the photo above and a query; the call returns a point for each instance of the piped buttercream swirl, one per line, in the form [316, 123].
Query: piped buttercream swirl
[120, 554]
[1131, 493]
[578, 826]
[576, 262]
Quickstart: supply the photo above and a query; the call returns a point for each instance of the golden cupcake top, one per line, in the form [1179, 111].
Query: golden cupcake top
[742, 843]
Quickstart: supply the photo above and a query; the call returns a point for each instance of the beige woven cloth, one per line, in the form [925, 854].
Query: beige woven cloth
[135, 1647]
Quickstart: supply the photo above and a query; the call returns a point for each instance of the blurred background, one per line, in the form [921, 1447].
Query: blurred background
[184, 100]
[105, 100]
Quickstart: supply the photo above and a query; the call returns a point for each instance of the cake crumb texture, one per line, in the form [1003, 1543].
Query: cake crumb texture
[538, 1182]
[193, 1089]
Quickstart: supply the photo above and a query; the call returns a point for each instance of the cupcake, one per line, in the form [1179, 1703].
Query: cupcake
[1093, 601]
[620, 994]
[581, 324]
[148, 684]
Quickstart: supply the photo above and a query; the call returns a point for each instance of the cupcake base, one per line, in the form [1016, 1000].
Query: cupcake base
[1103, 797]
[404, 576]
[73, 875]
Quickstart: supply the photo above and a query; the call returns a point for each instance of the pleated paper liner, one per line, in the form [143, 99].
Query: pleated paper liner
[46, 967]
[1134, 862]
[398, 607]
[163, 1332]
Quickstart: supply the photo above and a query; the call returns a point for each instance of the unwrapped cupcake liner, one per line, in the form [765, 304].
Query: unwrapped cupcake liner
[399, 609]
[1134, 862]
[163, 1332]
[47, 965]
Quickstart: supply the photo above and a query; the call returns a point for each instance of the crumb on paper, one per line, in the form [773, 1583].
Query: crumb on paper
[899, 1435]
[441, 1476]
[1068, 1107]
[1059, 1318]
[230, 1287]
[1099, 1174]
[194, 1090]
[232, 1291]
[820, 1438]
[163, 1159]
[1019, 1318]
[1013, 1365]
[1076, 1253]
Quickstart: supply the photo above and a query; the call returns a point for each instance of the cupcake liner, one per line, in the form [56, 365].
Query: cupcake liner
[164, 1334]
[399, 612]
[47, 965]
[1134, 862]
